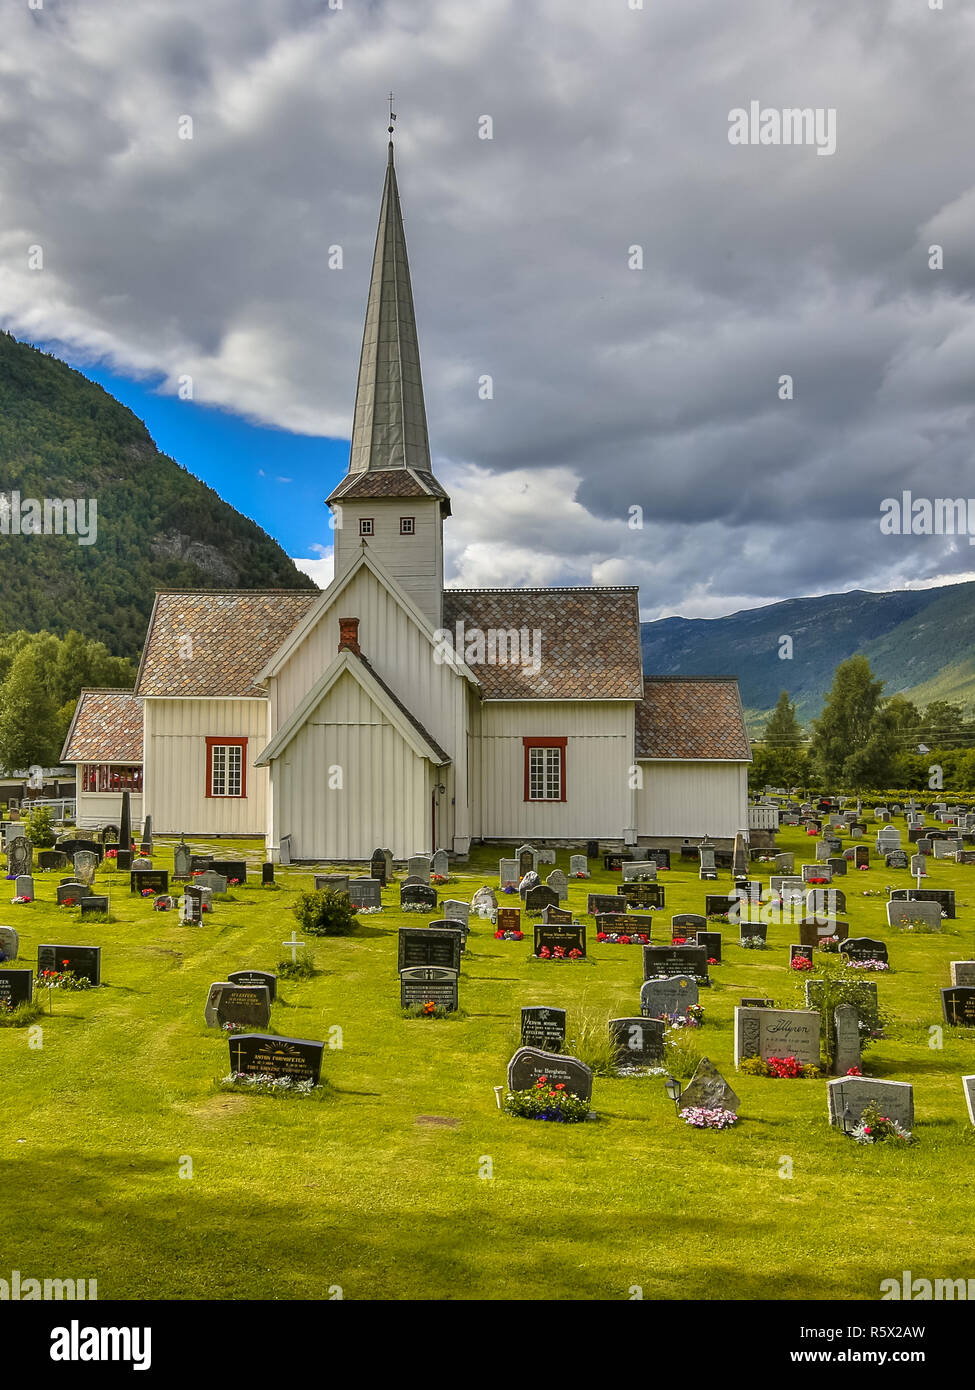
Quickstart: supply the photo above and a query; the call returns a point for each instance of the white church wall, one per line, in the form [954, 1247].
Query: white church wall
[348, 783]
[175, 747]
[598, 758]
[415, 562]
[692, 799]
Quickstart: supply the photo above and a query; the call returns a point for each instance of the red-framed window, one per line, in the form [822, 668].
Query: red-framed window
[106, 777]
[367, 526]
[544, 769]
[226, 766]
[407, 525]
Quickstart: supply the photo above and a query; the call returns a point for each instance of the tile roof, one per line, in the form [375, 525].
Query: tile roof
[589, 645]
[389, 482]
[107, 727]
[696, 717]
[231, 635]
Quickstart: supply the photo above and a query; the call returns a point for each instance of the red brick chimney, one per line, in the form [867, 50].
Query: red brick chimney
[349, 635]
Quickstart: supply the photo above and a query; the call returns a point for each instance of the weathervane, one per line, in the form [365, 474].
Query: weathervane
[392, 114]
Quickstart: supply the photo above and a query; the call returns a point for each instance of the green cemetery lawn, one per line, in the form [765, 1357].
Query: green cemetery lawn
[378, 1191]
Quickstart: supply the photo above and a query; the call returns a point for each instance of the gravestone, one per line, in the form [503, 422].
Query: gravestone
[634, 868]
[182, 855]
[418, 866]
[509, 919]
[578, 864]
[564, 936]
[377, 867]
[769, 1033]
[52, 859]
[156, 879]
[191, 906]
[417, 895]
[896, 859]
[93, 905]
[800, 952]
[861, 856]
[24, 886]
[612, 862]
[10, 945]
[660, 857]
[284, 850]
[256, 1054]
[508, 872]
[813, 929]
[602, 902]
[267, 874]
[530, 880]
[785, 863]
[675, 960]
[823, 851]
[457, 911]
[864, 948]
[461, 928]
[637, 1042]
[338, 883]
[900, 914]
[200, 862]
[752, 931]
[484, 898]
[917, 867]
[20, 855]
[147, 835]
[546, 856]
[924, 844]
[838, 865]
[543, 1028]
[945, 897]
[423, 946]
[689, 921]
[669, 996]
[559, 883]
[140, 862]
[968, 1085]
[848, 1097]
[643, 894]
[429, 984]
[16, 988]
[540, 897]
[958, 1005]
[717, 904]
[813, 871]
[230, 869]
[556, 914]
[124, 860]
[530, 1063]
[367, 892]
[846, 1051]
[256, 977]
[85, 864]
[85, 962]
[711, 941]
[708, 1088]
[706, 866]
[71, 892]
[824, 902]
[227, 1002]
[962, 971]
[527, 859]
[440, 864]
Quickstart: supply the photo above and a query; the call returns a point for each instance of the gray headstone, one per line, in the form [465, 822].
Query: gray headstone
[578, 864]
[85, 864]
[508, 872]
[847, 1047]
[962, 971]
[20, 855]
[708, 1088]
[560, 883]
[365, 892]
[785, 863]
[484, 898]
[182, 855]
[418, 866]
[24, 887]
[228, 1002]
[338, 883]
[968, 1084]
[457, 911]
[529, 1063]
[546, 856]
[816, 871]
[901, 913]
[215, 882]
[848, 1097]
[671, 995]
[9, 943]
[440, 864]
[777, 1033]
[638, 1042]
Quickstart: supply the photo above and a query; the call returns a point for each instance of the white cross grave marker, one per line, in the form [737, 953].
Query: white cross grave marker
[294, 944]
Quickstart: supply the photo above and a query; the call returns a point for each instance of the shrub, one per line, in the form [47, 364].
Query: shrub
[325, 913]
[301, 968]
[39, 827]
[754, 1066]
[681, 1054]
[591, 1044]
[545, 1102]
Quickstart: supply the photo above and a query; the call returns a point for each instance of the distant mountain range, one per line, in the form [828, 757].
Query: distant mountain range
[63, 437]
[921, 642]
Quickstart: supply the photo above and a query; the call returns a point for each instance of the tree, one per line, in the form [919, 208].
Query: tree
[783, 729]
[943, 724]
[847, 721]
[29, 727]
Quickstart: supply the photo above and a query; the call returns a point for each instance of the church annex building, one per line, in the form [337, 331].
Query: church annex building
[390, 711]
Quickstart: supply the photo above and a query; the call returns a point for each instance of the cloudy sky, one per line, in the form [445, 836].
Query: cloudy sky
[614, 387]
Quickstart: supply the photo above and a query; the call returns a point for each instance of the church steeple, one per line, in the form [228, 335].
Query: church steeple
[389, 427]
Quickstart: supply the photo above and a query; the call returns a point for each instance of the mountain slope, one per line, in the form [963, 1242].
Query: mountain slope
[920, 641]
[62, 436]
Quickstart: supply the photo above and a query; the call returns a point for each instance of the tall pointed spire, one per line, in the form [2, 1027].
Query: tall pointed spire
[389, 428]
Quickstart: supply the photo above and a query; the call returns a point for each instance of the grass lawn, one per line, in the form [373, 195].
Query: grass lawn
[379, 1192]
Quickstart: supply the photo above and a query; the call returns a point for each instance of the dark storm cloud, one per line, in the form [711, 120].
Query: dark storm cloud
[614, 388]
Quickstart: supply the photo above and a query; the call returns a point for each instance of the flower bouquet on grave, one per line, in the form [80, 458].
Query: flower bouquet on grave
[439, 878]
[874, 1128]
[854, 1071]
[753, 943]
[148, 892]
[545, 1102]
[718, 917]
[708, 1117]
[367, 911]
[509, 936]
[692, 1017]
[21, 898]
[62, 979]
[206, 907]
[68, 902]
[817, 880]
[233, 882]
[235, 1027]
[581, 873]
[111, 854]
[510, 888]
[830, 944]
[161, 905]
[869, 964]
[678, 941]
[11, 875]
[800, 963]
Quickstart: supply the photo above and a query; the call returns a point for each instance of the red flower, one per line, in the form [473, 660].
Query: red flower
[560, 1086]
[600, 936]
[499, 935]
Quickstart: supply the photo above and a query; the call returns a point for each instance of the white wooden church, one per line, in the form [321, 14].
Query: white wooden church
[390, 711]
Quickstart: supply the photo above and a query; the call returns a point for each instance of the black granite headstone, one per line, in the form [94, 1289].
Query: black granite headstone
[256, 977]
[428, 984]
[83, 961]
[543, 1028]
[257, 1054]
[422, 946]
[16, 987]
[564, 936]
